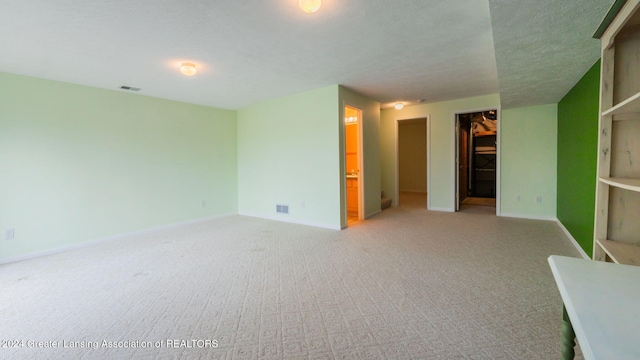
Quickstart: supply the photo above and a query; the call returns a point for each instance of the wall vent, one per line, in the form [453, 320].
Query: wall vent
[282, 209]
[130, 88]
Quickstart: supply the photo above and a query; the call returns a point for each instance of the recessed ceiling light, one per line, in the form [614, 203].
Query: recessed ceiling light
[399, 106]
[188, 69]
[309, 6]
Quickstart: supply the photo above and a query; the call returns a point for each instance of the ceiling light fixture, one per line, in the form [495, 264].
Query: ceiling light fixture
[188, 69]
[399, 106]
[309, 6]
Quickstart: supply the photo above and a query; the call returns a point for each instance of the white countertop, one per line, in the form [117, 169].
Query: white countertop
[603, 302]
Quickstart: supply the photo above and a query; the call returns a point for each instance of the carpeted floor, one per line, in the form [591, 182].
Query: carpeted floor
[406, 284]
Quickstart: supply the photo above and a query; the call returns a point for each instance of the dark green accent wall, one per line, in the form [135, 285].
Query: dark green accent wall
[577, 157]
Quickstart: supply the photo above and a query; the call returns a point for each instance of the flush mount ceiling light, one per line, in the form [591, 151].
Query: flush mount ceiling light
[188, 69]
[309, 6]
[399, 106]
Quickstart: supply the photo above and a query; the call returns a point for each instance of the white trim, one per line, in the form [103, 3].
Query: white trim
[342, 162]
[498, 156]
[573, 240]
[88, 243]
[455, 156]
[370, 215]
[442, 209]
[530, 217]
[286, 219]
[395, 198]
[429, 172]
[361, 169]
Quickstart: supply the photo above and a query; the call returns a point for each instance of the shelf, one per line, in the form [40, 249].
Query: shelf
[629, 106]
[627, 184]
[621, 252]
[484, 133]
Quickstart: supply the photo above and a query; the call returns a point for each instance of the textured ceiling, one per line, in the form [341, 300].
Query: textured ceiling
[543, 47]
[252, 50]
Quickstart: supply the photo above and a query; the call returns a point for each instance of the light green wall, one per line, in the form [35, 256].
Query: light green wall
[370, 173]
[288, 154]
[80, 163]
[528, 143]
[441, 144]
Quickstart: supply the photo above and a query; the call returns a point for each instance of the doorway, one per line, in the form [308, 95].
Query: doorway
[353, 163]
[412, 163]
[476, 160]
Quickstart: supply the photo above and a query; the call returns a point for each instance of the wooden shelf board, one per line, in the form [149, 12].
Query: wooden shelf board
[621, 252]
[629, 106]
[627, 184]
[484, 133]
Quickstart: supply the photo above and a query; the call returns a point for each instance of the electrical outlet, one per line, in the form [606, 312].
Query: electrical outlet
[203, 203]
[302, 204]
[518, 199]
[538, 199]
[9, 234]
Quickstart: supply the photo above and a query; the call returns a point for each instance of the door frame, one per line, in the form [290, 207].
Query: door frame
[458, 130]
[396, 197]
[454, 153]
[361, 170]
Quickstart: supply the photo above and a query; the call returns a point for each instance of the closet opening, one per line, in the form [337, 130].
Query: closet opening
[353, 160]
[476, 160]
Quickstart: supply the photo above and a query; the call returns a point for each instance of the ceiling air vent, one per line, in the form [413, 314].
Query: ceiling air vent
[130, 88]
[282, 209]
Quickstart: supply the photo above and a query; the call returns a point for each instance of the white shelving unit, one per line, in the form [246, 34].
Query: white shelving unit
[617, 221]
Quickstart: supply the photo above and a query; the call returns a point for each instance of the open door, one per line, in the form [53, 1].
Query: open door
[476, 159]
[462, 158]
[353, 164]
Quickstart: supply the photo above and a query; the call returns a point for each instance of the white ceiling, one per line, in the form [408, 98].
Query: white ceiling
[532, 52]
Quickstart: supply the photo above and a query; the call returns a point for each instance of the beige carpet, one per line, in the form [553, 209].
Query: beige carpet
[406, 284]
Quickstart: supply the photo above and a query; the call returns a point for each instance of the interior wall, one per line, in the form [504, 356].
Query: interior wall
[80, 163]
[577, 157]
[441, 144]
[528, 148]
[412, 155]
[370, 172]
[288, 153]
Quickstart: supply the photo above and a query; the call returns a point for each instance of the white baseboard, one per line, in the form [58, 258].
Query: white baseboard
[530, 217]
[107, 239]
[370, 215]
[441, 209]
[573, 240]
[287, 219]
